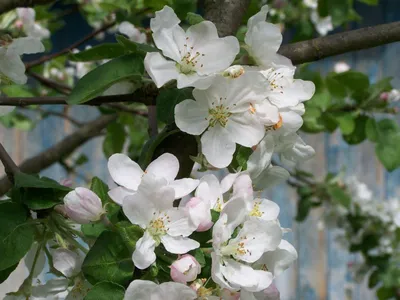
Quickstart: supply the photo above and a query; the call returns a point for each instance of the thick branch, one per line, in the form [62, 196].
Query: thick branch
[226, 15]
[61, 149]
[364, 38]
[9, 165]
[7, 5]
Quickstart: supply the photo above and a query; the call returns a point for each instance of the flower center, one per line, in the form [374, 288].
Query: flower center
[219, 114]
[255, 212]
[189, 60]
[273, 79]
[157, 226]
[238, 248]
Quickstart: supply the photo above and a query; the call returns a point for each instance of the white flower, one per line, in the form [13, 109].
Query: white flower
[132, 32]
[270, 293]
[341, 67]
[225, 112]
[83, 206]
[30, 27]
[293, 149]
[67, 262]
[199, 213]
[264, 40]
[394, 95]
[11, 64]
[128, 175]
[195, 55]
[151, 207]
[322, 25]
[232, 257]
[311, 3]
[165, 18]
[148, 290]
[185, 269]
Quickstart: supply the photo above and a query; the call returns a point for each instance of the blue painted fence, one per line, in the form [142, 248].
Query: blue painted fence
[321, 271]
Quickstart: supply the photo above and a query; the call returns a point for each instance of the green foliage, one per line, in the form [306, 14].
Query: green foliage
[108, 260]
[99, 52]
[115, 139]
[240, 158]
[167, 100]
[134, 47]
[339, 195]
[98, 80]
[129, 233]
[6, 272]
[193, 18]
[106, 291]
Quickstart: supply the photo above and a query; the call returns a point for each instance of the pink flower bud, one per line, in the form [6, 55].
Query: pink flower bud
[199, 214]
[384, 96]
[66, 182]
[185, 269]
[230, 295]
[83, 206]
[271, 293]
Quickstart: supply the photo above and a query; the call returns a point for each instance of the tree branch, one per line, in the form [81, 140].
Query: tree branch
[9, 165]
[61, 149]
[339, 43]
[7, 5]
[69, 48]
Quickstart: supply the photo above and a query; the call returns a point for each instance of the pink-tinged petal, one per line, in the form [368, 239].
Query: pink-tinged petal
[124, 171]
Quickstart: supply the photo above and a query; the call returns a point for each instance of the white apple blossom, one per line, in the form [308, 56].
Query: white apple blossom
[263, 40]
[341, 66]
[11, 65]
[83, 206]
[67, 262]
[128, 175]
[31, 28]
[322, 24]
[148, 290]
[225, 113]
[132, 32]
[185, 269]
[194, 56]
[311, 3]
[232, 257]
[151, 207]
[394, 95]
[292, 149]
[165, 18]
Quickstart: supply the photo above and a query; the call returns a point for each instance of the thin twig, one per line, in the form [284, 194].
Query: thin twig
[152, 120]
[59, 87]
[69, 48]
[125, 108]
[9, 165]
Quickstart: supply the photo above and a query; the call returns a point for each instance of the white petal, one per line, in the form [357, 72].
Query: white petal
[178, 222]
[195, 80]
[128, 29]
[191, 117]
[51, 288]
[268, 209]
[216, 272]
[270, 177]
[178, 245]
[245, 129]
[171, 41]
[243, 187]
[244, 276]
[291, 122]
[119, 193]
[166, 166]
[201, 33]
[236, 211]
[66, 261]
[199, 213]
[228, 180]
[209, 189]
[144, 255]
[184, 186]
[176, 290]
[165, 18]
[267, 113]
[26, 45]
[125, 171]
[221, 233]
[160, 69]
[260, 159]
[279, 260]
[304, 89]
[217, 146]
[12, 66]
[259, 17]
[143, 289]
[139, 209]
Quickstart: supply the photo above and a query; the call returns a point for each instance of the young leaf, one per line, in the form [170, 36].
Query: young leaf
[339, 195]
[106, 290]
[193, 18]
[371, 130]
[99, 52]
[388, 152]
[354, 81]
[98, 80]
[133, 46]
[358, 134]
[108, 260]
[129, 233]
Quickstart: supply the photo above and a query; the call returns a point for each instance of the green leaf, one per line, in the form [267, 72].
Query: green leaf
[129, 233]
[16, 236]
[339, 195]
[98, 80]
[167, 100]
[133, 46]
[5, 273]
[323, 8]
[99, 52]
[387, 127]
[346, 123]
[388, 152]
[16, 91]
[115, 139]
[199, 256]
[385, 293]
[241, 156]
[339, 10]
[32, 181]
[81, 160]
[354, 81]
[303, 208]
[320, 100]
[193, 18]
[358, 134]
[374, 279]
[108, 260]
[106, 290]
[370, 2]
[371, 130]
[182, 7]
[335, 87]
[100, 189]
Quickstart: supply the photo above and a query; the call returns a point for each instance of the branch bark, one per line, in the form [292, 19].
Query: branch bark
[60, 150]
[7, 5]
[9, 165]
[339, 43]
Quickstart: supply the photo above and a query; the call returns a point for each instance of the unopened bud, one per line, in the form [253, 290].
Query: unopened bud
[233, 71]
[199, 214]
[83, 206]
[185, 269]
